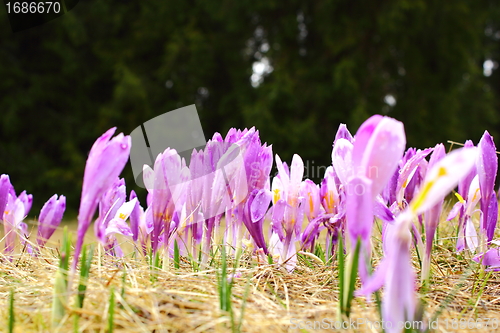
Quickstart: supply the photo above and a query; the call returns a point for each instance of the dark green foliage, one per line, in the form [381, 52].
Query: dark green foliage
[107, 63]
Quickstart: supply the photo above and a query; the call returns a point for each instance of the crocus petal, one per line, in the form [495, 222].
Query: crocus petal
[343, 133]
[408, 171]
[232, 167]
[27, 200]
[310, 191]
[110, 202]
[259, 206]
[389, 192]
[489, 258]
[277, 217]
[375, 281]
[471, 238]
[437, 154]
[296, 174]
[148, 177]
[328, 192]
[443, 177]
[166, 173]
[473, 196]
[399, 295]
[5, 187]
[278, 189]
[463, 185]
[135, 216]
[13, 216]
[379, 144]
[359, 209]
[126, 209]
[454, 211]
[118, 226]
[381, 211]
[282, 172]
[487, 166]
[342, 160]
[492, 218]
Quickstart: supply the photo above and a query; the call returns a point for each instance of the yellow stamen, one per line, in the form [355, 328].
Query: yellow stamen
[460, 198]
[276, 196]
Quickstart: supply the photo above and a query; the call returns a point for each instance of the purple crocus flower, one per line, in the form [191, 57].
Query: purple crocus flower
[5, 188]
[193, 200]
[145, 227]
[286, 187]
[334, 205]
[257, 203]
[432, 216]
[378, 146]
[254, 213]
[16, 210]
[487, 166]
[170, 178]
[50, 217]
[109, 204]
[395, 272]
[468, 196]
[287, 258]
[464, 208]
[314, 212]
[250, 191]
[118, 225]
[106, 160]
[13, 216]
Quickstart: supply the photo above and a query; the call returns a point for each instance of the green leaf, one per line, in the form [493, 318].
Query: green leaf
[176, 255]
[11, 311]
[111, 310]
[341, 259]
[352, 278]
[60, 294]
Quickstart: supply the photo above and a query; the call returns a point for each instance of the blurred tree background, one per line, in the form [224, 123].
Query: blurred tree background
[293, 69]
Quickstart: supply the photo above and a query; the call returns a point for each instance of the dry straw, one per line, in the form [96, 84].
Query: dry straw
[183, 300]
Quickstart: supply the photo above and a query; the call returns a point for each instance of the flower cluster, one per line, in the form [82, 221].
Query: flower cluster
[228, 185]
[14, 210]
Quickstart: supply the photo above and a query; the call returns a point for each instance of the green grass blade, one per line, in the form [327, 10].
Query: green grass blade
[124, 283]
[84, 273]
[243, 305]
[225, 283]
[352, 278]
[111, 311]
[87, 256]
[176, 255]
[341, 260]
[11, 311]
[60, 298]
